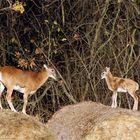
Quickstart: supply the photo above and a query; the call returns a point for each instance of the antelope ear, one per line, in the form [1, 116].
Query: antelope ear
[107, 69]
[45, 66]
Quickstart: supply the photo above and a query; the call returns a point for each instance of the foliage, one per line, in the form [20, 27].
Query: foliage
[78, 38]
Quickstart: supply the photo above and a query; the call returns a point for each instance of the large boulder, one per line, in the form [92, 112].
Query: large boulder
[18, 126]
[94, 121]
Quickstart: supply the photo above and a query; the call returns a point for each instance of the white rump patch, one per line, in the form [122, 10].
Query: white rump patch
[0, 76]
[121, 90]
[2, 87]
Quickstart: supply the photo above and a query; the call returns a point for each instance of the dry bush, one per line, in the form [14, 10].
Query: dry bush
[94, 121]
[18, 126]
[79, 38]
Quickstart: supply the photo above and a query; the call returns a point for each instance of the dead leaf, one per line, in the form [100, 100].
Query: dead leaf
[76, 36]
[18, 55]
[18, 6]
[38, 51]
[22, 63]
[32, 63]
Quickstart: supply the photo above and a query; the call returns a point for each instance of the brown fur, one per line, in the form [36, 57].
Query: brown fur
[29, 79]
[27, 82]
[115, 83]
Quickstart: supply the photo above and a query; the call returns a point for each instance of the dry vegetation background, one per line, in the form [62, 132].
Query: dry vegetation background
[76, 37]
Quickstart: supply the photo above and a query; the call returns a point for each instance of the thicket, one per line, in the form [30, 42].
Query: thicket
[79, 38]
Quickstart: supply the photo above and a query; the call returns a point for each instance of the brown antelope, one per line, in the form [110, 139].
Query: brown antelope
[26, 82]
[117, 84]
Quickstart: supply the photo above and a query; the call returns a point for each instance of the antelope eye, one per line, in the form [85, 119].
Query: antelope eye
[103, 73]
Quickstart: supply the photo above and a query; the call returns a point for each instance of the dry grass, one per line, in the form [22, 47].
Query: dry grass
[18, 126]
[92, 121]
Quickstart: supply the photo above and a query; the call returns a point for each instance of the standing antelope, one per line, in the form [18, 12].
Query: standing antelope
[117, 84]
[26, 82]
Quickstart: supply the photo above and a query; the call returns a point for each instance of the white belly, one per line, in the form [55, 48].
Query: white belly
[20, 89]
[121, 90]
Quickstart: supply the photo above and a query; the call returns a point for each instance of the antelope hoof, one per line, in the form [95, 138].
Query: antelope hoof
[113, 106]
[24, 112]
[14, 110]
[135, 109]
[1, 108]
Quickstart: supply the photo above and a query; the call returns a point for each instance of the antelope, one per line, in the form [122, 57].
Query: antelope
[117, 84]
[26, 82]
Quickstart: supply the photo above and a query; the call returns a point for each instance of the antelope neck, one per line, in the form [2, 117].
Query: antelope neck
[109, 79]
